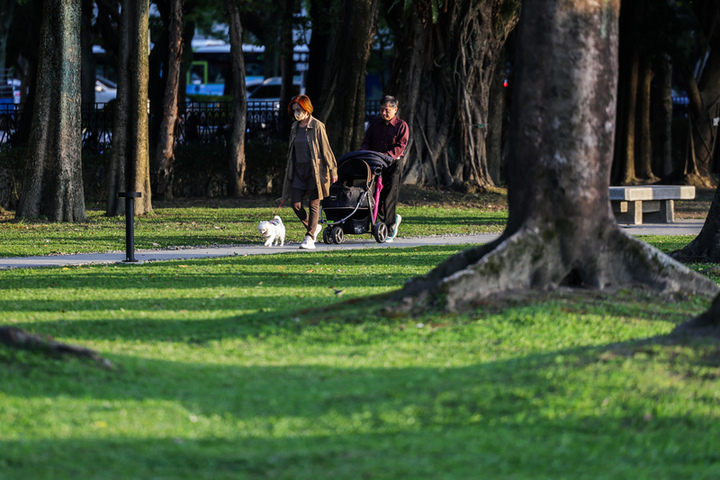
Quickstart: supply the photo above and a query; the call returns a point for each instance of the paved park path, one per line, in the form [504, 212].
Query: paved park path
[680, 227]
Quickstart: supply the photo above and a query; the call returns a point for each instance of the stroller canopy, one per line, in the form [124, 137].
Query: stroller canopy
[373, 159]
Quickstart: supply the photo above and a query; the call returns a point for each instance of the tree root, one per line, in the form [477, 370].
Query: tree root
[541, 259]
[706, 324]
[18, 338]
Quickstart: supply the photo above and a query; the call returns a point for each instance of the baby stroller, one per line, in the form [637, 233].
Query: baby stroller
[352, 205]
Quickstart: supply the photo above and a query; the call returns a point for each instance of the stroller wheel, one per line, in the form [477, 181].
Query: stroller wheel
[327, 235]
[380, 231]
[338, 235]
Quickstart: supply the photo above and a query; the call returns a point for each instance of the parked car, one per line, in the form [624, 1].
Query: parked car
[105, 91]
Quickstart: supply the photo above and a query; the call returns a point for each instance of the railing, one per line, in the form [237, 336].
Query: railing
[201, 122]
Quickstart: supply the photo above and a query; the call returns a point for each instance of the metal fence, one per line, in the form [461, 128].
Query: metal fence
[198, 122]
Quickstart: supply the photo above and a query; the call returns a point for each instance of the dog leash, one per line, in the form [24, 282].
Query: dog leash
[278, 208]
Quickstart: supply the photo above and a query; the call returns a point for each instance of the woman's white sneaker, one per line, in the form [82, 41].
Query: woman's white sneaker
[308, 243]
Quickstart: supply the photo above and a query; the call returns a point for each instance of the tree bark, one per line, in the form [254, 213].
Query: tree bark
[706, 246]
[704, 95]
[165, 155]
[561, 231]
[662, 109]
[130, 162]
[342, 105]
[626, 137]
[322, 18]
[17, 338]
[287, 65]
[53, 185]
[442, 75]
[88, 59]
[7, 14]
[496, 115]
[643, 157]
[237, 164]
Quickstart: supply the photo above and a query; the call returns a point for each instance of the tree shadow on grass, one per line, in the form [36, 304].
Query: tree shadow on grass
[570, 413]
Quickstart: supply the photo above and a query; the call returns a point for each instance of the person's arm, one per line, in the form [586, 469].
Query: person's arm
[401, 141]
[327, 154]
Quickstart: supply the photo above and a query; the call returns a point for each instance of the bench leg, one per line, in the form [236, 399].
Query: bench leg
[629, 212]
[666, 213]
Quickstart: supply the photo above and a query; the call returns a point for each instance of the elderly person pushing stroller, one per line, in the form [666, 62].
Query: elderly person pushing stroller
[389, 135]
[311, 167]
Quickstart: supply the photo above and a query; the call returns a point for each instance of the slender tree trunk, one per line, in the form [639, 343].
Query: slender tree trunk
[662, 109]
[7, 14]
[643, 158]
[704, 108]
[442, 75]
[88, 59]
[342, 105]
[496, 114]
[53, 185]
[130, 162]
[237, 164]
[287, 65]
[561, 231]
[165, 155]
[629, 176]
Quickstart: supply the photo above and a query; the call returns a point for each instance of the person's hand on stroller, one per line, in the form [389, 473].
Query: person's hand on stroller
[333, 179]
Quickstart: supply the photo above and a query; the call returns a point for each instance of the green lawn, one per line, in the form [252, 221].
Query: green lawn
[204, 225]
[254, 368]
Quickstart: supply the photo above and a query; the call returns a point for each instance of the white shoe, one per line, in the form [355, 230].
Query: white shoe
[308, 243]
[318, 229]
[394, 228]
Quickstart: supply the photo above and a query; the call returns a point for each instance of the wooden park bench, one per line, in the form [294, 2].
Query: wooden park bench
[649, 204]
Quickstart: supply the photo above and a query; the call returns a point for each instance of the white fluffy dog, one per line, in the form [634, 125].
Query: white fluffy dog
[272, 231]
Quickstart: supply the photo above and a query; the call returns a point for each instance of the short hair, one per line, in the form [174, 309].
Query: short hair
[303, 101]
[390, 101]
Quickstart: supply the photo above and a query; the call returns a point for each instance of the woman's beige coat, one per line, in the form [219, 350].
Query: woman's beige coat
[323, 159]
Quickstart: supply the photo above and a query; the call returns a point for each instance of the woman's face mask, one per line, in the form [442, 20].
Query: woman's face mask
[300, 115]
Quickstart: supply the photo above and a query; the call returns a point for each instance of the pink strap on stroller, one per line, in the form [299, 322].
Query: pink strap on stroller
[378, 188]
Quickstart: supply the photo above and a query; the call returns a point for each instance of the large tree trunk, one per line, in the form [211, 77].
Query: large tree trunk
[704, 95]
[237, 164]
[165, 155]
[442, 75]
[53, 185]
[322, 25]
[343, 101]
[130, 162]
[560, 230]
[706, 246]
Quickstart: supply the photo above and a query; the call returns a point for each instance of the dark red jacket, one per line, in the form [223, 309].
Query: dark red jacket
[389, 138]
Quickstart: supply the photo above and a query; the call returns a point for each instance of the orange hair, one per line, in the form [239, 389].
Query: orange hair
[303, 101]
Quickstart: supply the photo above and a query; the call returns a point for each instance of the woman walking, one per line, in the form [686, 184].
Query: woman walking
[311, 167]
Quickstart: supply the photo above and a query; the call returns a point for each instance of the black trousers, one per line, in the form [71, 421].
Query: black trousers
[309, 221]
[391, 178]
